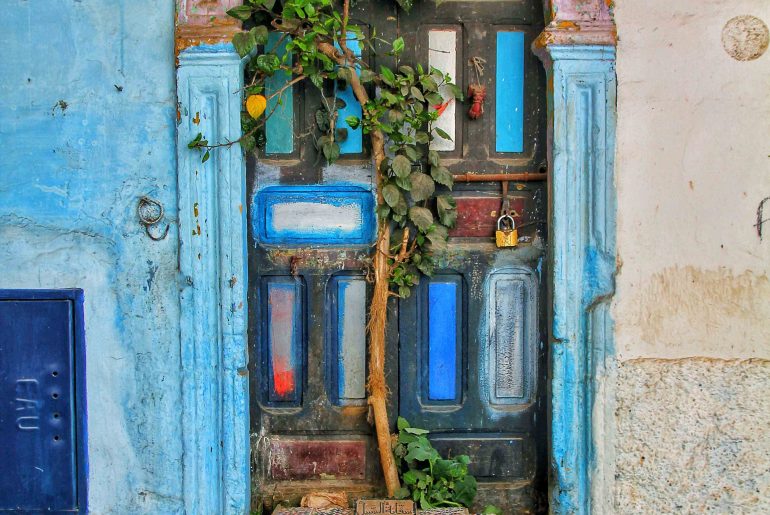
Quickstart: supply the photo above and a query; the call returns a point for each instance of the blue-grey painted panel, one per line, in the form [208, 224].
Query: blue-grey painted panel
[509, 89]
[443, 348]
[350, 336]
[42, 401]
[324, 215]
[512, 337]
[279, 127]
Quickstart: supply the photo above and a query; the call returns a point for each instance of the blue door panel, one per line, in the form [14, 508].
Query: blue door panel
[38, 403]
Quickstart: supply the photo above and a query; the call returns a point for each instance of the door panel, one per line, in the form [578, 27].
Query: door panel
[465, 354]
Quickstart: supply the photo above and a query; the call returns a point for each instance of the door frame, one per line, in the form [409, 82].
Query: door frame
[578, 50]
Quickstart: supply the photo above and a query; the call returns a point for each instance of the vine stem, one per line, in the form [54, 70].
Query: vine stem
[378, 310]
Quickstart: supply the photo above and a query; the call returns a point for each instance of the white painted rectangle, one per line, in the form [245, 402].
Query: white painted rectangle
[442, 55]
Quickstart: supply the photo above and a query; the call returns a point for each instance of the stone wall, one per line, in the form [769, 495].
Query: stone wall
[693, 295]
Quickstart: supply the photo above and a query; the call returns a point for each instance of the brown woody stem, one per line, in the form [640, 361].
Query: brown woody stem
[378, 310]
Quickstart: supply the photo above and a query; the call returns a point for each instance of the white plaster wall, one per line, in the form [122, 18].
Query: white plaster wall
[692, 308]
[693, 163]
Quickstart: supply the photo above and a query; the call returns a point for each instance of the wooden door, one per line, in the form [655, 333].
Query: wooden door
[466, 355]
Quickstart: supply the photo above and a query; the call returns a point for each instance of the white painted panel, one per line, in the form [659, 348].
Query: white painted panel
[442, 54]
[312, 216]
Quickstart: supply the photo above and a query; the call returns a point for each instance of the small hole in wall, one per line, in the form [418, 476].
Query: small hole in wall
[57, 438]
[55, 373]
[56, 415]
[55, 395]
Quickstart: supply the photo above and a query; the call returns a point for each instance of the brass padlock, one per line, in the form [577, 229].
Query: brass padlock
[508, 237]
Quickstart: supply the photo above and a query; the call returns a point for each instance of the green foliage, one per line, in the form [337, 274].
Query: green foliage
[430, 480]
[415, 186]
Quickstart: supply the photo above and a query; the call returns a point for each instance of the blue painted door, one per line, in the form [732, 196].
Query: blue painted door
[466, 354]
[42, 417]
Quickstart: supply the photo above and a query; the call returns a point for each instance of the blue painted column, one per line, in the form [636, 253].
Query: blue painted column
[212, 261]
[582, 230]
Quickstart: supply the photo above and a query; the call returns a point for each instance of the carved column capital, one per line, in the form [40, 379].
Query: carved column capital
[578, 22]
[204, 22]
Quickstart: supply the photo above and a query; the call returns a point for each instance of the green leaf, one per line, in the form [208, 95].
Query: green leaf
[416, 431]
[491, 509]
[366, 76]
[442, 133]
[442, 176]
[383, 211]
[387, 75]
[248, 143]
[428, 83]
[402, 493]
[402, 423]
[353, 121]
[243, 42]
[205, 157]
[268, 63]
[241, 12]
[416, 93]
[433, 158]
[465, 490]
[404, 183]
[260, 34]
[447, 210]
[434, 98]
[422, 186]
[395, 116]
[398, 46]
[421, 217]
[422, 138]
[404, 292]
[331, 151]
[391, 194]
[455, 91]
[401, 166]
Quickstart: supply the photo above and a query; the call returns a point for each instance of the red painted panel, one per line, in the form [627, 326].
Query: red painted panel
[310, 459]
[477, 216]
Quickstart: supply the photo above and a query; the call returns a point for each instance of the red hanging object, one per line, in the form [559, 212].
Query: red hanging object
[476, 93]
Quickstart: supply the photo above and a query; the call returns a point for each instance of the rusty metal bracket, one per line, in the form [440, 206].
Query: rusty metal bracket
[500, 177]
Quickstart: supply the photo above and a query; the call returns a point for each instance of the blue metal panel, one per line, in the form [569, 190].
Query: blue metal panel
[283, 340]
[324, 215]
[509, 88]
[354, 143]
[347, 310]
[42, 401]
[442, 341]
[279, 127]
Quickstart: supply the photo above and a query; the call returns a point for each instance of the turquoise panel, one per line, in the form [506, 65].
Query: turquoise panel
[509, 88]
[354, 143]
[279, 128]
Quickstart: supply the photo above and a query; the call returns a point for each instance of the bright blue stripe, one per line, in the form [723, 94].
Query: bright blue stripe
[442, 341]
[279, 128]
[354, 143]
[509, 87]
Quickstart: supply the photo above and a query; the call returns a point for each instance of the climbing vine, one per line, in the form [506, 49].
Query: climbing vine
[415, 206]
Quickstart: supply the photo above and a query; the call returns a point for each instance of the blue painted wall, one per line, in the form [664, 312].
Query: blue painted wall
[87, 126]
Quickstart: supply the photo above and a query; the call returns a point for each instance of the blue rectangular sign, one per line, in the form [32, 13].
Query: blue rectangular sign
[42, 394]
